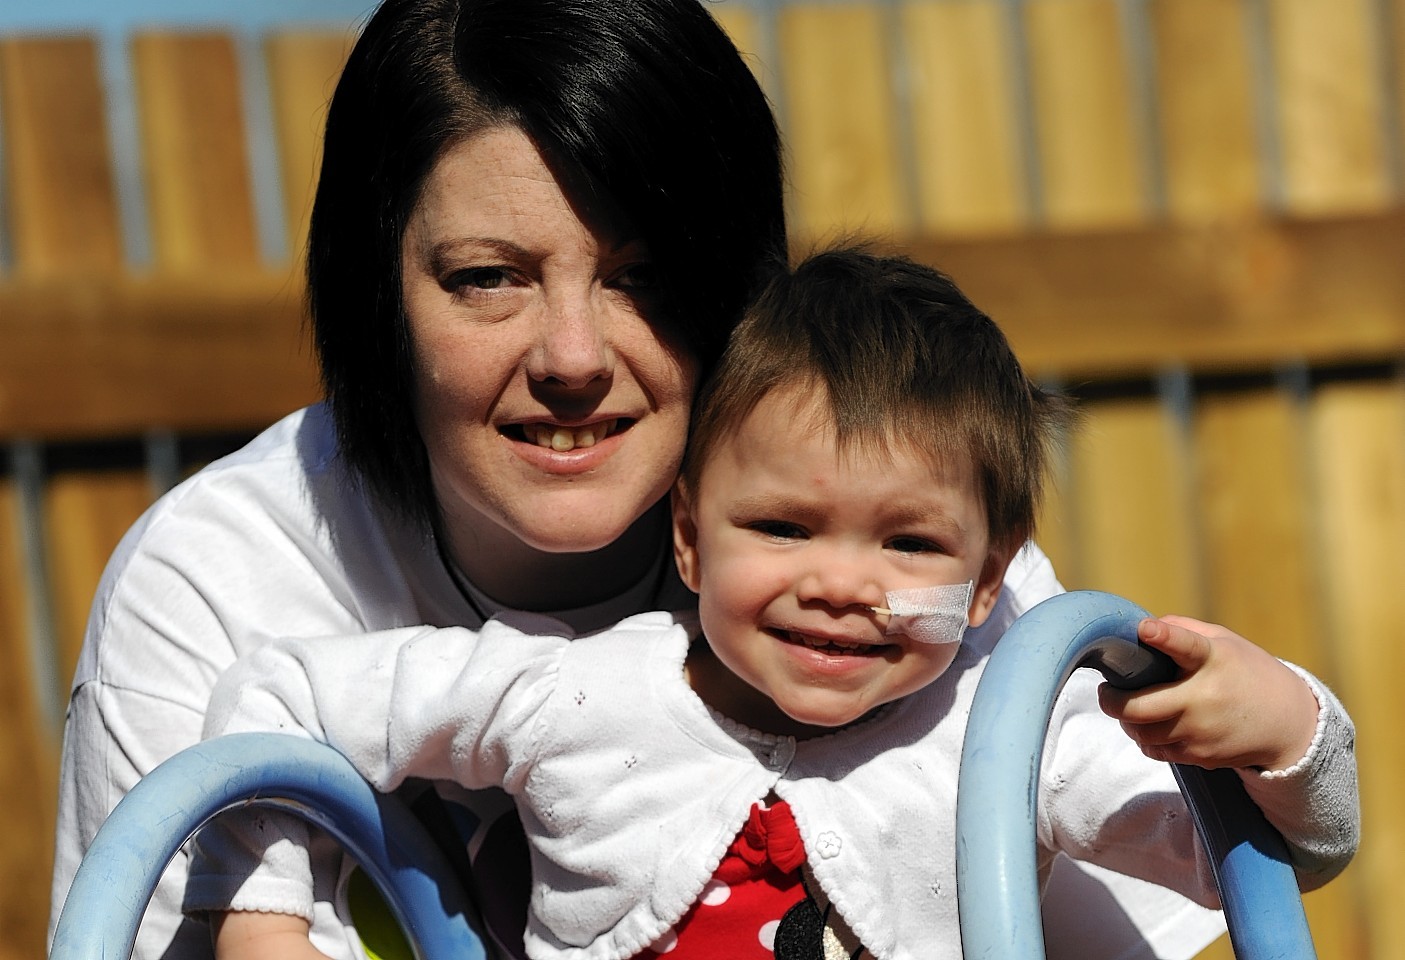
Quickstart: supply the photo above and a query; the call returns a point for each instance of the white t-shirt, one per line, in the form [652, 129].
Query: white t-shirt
[278, 540]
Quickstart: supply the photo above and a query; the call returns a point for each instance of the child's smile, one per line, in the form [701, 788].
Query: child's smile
[836, 646]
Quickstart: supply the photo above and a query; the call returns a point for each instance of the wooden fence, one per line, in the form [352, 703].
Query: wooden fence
[1189, 212]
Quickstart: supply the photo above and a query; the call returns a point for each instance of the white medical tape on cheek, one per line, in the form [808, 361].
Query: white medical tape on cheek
[930, 614]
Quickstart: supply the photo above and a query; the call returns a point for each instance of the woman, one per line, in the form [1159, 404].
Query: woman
[536, 222]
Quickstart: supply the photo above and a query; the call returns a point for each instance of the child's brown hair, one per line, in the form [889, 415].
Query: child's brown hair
[903, 357]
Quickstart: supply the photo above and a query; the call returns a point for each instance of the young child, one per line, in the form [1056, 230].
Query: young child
[778, 775]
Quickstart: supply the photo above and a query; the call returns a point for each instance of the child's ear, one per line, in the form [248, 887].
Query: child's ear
[988, 587]
[685, 537]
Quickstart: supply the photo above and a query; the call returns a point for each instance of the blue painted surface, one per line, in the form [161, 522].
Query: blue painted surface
[108, 17]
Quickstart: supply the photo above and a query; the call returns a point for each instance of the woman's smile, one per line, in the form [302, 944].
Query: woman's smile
[564, 439]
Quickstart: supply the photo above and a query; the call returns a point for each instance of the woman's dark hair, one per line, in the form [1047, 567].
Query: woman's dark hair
[644, 106]
[895, 353]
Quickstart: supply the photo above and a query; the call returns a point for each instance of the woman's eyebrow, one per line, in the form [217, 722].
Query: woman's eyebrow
[442, 253]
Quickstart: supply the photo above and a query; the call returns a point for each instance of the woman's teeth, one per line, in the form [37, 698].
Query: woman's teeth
[565, 439]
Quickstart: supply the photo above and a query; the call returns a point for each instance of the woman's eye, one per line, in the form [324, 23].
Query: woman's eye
[478, 278]
[913, 545]
[637, 276]
[778, 529]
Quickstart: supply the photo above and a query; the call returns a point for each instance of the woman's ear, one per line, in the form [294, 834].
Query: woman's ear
[685, 537]
[988, 587]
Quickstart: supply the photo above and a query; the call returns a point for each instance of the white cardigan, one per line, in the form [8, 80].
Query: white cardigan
[630, 789]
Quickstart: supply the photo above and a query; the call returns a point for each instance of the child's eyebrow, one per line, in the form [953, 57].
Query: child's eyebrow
[897, 515]
[938, 521]
[763, 503]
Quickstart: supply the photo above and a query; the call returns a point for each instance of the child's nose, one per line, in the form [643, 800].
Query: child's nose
[841, 580]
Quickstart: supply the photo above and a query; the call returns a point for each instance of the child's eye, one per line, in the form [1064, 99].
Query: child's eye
[778, 529]
[914, 545]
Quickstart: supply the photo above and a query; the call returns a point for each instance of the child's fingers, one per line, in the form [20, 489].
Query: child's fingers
[1187, 647]
[1145, 706]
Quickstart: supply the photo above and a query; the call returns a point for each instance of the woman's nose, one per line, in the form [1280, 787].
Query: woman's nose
[572, 346]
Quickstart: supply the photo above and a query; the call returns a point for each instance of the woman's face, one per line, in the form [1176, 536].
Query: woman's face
[551, 409]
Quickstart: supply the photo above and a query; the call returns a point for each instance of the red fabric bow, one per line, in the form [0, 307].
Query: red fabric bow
[771, 834]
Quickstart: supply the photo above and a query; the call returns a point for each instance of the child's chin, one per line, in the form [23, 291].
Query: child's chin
[819, 721]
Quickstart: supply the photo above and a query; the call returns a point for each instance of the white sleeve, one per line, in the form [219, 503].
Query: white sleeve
[1315, 804]
[437, 704]
[1102, 801]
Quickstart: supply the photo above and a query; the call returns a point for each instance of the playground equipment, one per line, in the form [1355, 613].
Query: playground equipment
[997, 890]
[998, 893]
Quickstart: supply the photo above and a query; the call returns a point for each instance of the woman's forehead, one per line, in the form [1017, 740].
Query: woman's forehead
[500, 178]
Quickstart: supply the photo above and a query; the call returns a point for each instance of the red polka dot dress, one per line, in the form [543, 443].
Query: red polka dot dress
[741, 911]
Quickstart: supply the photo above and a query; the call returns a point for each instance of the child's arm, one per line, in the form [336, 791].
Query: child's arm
[262, 936]
[1234, 705]
[423, 702]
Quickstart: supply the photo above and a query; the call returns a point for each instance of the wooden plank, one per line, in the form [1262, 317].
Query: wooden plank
[28, 761]
[1055, 531]
[214, 352]
[1130, 506]
[194, 152]
[1230, 296]
[1330, 106]
[840, 121]
[969, 154]
[1260, 556]
[62, 209]
[85, 513]
[1082, 93]
[1207, 105]
[303, 70]
[1397, 49]
[1359, 470]
[1214, 297]
[1263, 572]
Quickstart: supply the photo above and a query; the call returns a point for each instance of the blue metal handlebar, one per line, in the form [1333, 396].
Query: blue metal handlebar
[997, 886]
[115, 881]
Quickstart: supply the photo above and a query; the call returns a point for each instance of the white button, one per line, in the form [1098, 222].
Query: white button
[828, 845]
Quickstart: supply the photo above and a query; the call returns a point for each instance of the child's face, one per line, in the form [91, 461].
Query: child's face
[788, 543]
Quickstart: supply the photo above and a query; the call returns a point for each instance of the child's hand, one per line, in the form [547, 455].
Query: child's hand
[262, 936]
[1234, 704]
